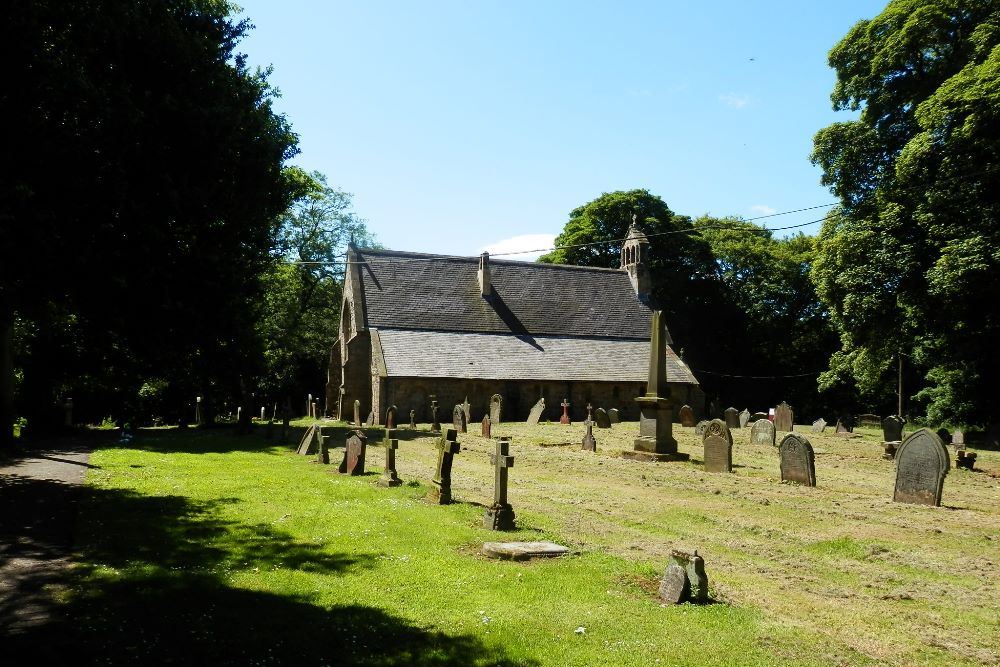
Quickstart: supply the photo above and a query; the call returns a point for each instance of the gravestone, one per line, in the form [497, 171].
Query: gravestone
[819, 425]
[589, 443]
[306, 444]
[391, 444]
[435, 422]
[744, 418]
[718, 444]
[731, 417]
[458, 419]
[322, 449]
[447, 448]
[495, 404]
[686, 416]
[413, 419]
[958, 438]
[684, 579]
[845, 424]
[486, 426]
[869, 420]
[500, 515]
[673, 585]
[371, 419]
[921, 465]
[757, 416]
[615, 416]
[892, 429]
[198, 415]
[467, 409]
[523, 550]
[891, 448]
[354, 454]
[357, 413]
[762, 432]
[699, 429]
[390, 417]
[565, 415]
[714, 411]
[784, 418]
[944, 435]
[536, 412]
[965, 459]
[602, 419]
[798, 462]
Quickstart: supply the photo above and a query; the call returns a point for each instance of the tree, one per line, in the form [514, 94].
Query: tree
[907, 264]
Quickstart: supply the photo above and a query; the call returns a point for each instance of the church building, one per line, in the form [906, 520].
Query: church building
[415, 327]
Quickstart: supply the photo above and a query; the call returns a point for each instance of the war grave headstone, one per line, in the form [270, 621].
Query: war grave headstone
[684, 579]
[757, 416]
[413, 419]
[389, 476]
[523, 550]
[536, 412]
[435, 421]
[614, 416]
[762, 432]
[798, 461]
[732, 417]
[784, 418]
[699, 429]
[306, 444]
[322, 448]
[500, 515]
[496, 402]
[354, 454]
[390, 417]
[564, 419]
[819, 425]
[686, 416]
[487, 429]
[921, 465]
[744, 418]
[447, 448]
[467, 409]
[718, 445]
[458, 419]
[357, 413]
[601, 418]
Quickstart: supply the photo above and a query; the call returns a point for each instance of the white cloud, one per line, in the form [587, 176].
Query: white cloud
[762, 209]
[528, 246]
[736, 101]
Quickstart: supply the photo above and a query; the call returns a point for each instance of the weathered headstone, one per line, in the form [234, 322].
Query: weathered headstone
[391, 444]
[306, 444]
[357, 413]
[762, 432]
[602, 419]
[965, 459]
[757, 416]
[891, 448]
[390, 417]
[322, 448]
[686, 416]
[958, 438]
[536, 412]
[589, 443]
[798, 462]
[435, 422]
[371, 419]
[921, 465]
[684, 579]
[413, 419]
[615, 416]
[819, 425]
[869, 419]
[731, 417]
[354, 454]
[496, 402]
[718, 444]
[944, 435]
[845, 424]
[487, 427]
[699, 429]
[564, 419]
[744, 418]
[458, 419]
[467, 409]
[892, 429]
[523, 550]
[784, 418]
[673, 585]
[447, 447]
[500, 515]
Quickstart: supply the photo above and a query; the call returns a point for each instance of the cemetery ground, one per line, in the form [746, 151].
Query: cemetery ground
[201, 547]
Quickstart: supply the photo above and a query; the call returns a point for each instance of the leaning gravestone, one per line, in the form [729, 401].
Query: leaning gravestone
[467, 409]
[798, 462]
[684, 579]
[845, 424]
[447, 448]
[732, 417]
[536, 412]
[819, 425]
[921, 465]
[762, 432]
[487, 430]
[892, 429]
[744, 418]
[354, 454]
[495, 403]
[614, 416]
[783, 417]
[686, 416]
[718, 447]
[458, 419]
[306, 444]
[602, 419]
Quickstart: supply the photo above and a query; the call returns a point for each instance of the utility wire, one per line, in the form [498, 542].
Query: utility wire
[758, 377]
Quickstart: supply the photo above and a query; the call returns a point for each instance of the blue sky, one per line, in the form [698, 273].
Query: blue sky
[465, 125]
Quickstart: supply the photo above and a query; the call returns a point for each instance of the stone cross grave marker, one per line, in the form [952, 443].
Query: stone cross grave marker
[798, 462]
[589, 443]
[322, 448]
[487, 427]
[921, 465]
[684, 579]
[390, 417]
[354, 454]
[391, 444]
[467, 409]
[686, 416]
[601, 416]
[536, 412]
[718, 447]
[413, 418]
[565, 415]
[732, 417]
[615, 416]
[495, 404]
[447, 447]
[435, 422]
[819, 425]
[357, 413]
[784, 418]
[762, 432]
[744, 418]
[500, 515]
[892, 429]
[458, 419]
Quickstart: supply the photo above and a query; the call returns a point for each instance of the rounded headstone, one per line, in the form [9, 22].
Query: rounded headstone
[762, 432]
[673, 584]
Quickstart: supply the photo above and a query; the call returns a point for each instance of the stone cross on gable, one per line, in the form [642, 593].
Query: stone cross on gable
[391, 444]
[500, 516]
[565, 415]
[447, 448]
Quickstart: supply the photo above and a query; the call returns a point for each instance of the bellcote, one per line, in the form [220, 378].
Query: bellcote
[634, 261]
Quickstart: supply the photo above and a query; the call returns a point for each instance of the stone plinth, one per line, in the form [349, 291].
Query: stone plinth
[656, 441]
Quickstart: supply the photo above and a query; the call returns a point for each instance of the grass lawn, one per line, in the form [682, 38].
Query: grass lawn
[200, 547]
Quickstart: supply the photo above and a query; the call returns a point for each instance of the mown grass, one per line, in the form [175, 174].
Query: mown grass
[206, 548]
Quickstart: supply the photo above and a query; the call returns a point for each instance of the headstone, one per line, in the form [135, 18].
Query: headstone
[744, 418]
[965, 459]
[891, 448]
[306, 444]
[944, 435]
[322, 449]
[798, 462]
[309, 405]
[731, 417]
[413, 419]
[757, 416]
[819, 425]
[316, 413]
[500, 515]
[354, 454]
[589, 443]
[458, 419]
[263, 411]
[390, 417]
[845, 424]
[68, 412]
[495, 404]
[615, 416]
[602, 418]
[921, 465]
[371, 419]
[565, 415]
[892, 429]
[686, 416]
[673, 585]
[391, 444]
[958, 438]
[869, 420]
[487, 430]
[536, 412]
[684, 579]
[714, 411]
[197, 410]
[762, 432]
[784, 419]
[699, 429]
[523, 550]
[467, 409]
[435, 422]
[357, 413]
[447, 447]
[718, 447]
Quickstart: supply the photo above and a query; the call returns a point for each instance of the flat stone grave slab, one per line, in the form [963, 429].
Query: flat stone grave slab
[523, 550]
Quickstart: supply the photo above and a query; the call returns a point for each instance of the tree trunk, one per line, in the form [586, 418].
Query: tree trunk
[6, 378]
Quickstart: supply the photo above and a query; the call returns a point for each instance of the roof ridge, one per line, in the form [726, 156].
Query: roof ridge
[466, 258]
[467, 332]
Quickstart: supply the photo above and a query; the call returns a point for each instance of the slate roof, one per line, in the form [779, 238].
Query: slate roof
[405, 290]
[448, 354]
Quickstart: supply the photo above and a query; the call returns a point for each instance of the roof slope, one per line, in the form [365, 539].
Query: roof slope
[404, 290]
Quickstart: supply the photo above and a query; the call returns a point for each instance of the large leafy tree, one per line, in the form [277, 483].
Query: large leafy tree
[908, 263]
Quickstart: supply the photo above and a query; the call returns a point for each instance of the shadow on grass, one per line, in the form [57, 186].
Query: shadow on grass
[151, 587]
